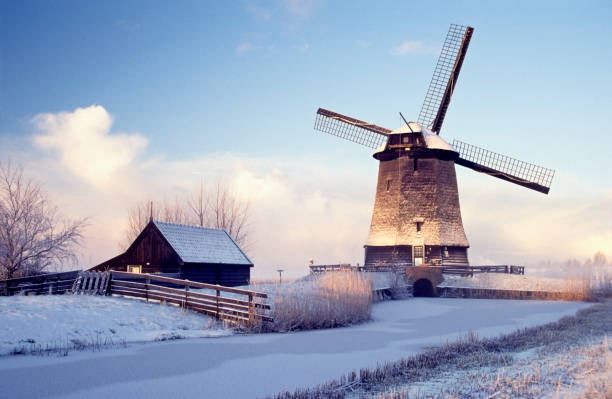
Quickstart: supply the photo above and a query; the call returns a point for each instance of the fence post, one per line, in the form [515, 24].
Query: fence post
[251, 308]
[109, 289]
[186, 293]
[147, 288]
[218, 295]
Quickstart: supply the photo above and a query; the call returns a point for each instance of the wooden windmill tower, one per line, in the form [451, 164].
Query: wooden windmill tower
[417, 218]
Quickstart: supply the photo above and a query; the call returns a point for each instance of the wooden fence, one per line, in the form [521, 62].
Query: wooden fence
[250, 308]
[471, 270]
[454, 270]
[50, 283]
[219, 301]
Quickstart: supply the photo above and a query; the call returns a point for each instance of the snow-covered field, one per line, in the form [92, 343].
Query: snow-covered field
[60, 322]
[247, 366]
[506, 282]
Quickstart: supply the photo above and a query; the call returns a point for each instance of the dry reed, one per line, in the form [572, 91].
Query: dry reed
[330, 300]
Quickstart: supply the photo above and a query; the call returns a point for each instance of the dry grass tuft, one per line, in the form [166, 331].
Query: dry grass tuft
[330, 300]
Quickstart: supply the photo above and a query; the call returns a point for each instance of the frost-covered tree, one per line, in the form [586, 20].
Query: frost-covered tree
[33, 236]
[208, 206]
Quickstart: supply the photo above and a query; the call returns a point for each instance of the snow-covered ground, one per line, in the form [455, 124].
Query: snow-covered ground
[583, 370]
[506, 282]
[247, 366]
[68, 321]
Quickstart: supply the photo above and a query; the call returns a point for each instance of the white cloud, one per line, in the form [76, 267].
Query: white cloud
[244, 47]
[82, 141]
[300, 8]
[411, 47]
[258, 12]
[301, 209]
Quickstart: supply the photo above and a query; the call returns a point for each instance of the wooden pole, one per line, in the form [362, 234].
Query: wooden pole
[147, 288]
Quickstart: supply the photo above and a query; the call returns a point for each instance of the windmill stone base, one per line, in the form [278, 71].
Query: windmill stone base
[416, 218]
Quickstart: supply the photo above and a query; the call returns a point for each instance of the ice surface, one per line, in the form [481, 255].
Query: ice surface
[247, 366]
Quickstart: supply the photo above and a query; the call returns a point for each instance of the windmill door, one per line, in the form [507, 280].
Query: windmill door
[417, 253]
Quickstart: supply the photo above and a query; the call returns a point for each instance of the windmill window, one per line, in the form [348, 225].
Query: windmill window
[416, 164]
[388, 184]
[406, 139]
[418, 226]
[418, 251]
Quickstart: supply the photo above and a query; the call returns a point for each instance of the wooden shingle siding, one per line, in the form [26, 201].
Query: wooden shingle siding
[388, 255]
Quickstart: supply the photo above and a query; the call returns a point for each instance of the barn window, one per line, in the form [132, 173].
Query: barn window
[134, 268]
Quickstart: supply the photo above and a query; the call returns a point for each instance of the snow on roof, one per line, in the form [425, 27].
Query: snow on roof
[202, 245]
[432, 140]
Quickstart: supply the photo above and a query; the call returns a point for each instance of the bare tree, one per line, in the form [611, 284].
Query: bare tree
[32, 234]
[216, 207]
[142, 212]
[198, 205]
[229, 213]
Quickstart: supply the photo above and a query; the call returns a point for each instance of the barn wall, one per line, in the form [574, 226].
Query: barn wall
[150, 248]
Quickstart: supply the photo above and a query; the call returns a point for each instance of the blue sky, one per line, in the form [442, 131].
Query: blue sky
[236, 85]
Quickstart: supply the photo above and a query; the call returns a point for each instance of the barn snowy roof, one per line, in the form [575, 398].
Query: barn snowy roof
[202, 245]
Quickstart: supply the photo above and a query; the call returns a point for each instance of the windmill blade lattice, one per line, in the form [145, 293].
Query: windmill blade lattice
[506, 168]
[351, 129]
[445, 77]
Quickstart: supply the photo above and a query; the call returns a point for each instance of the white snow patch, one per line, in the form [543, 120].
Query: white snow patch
[48, 321]
[506, 282]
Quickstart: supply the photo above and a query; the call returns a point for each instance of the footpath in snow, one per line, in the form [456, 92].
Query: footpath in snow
[247, 366]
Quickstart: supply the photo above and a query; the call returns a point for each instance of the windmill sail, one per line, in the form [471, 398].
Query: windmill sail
[445, 77]
[351, 129]
[518, 172]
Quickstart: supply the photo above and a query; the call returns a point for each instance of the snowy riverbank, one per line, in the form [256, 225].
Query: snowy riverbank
[65, 322]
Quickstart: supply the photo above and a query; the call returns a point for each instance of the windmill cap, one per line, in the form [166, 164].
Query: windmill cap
[432, 140]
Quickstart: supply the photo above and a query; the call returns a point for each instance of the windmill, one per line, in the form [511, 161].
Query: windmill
[416, 217]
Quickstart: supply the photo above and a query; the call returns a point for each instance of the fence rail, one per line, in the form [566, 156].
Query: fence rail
[226, 303]
[453, 270]
[471, 270]
[50, 283]
[250, 308]
[316, 269]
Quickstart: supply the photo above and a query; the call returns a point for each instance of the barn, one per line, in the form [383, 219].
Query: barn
[189, 252]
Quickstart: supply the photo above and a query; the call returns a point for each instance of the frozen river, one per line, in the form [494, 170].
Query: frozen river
[247, 366]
